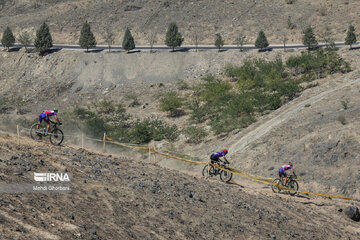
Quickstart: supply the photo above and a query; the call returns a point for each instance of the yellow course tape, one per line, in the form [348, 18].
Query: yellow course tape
[234, 171]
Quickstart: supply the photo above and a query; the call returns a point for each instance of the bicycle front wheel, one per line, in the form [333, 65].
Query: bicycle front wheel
[225, 176]
[56, 137]
[35, 133]
[208, 172]
[275, 187]
[294, 186]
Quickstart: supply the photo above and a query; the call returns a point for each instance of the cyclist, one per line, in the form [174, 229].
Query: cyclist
[45, 115]
[215, 157]
[282, 172]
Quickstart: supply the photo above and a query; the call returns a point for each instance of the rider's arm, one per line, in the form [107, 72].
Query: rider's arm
[57, 119]
[225, 159]
[293, 172]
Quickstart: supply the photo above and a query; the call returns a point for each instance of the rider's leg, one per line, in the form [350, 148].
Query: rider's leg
[285, 179]
[39, 121]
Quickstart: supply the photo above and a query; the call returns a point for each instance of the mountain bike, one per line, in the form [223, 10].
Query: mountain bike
[211, 171]
[55, 134]
[291, 184]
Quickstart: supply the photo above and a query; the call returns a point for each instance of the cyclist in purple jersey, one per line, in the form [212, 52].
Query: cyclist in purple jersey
[282, 172]
[215, 156]
[45, 116]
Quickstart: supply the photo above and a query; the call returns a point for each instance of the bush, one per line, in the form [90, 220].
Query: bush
[317, 64]
[153, 129]
[171, 103]
[104, 107]
[194, 134]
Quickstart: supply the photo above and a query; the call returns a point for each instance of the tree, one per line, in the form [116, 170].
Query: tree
[109, 38]
[284, 40]
[128, 41]
[173, 36]
[195, 37]
[87, 39]
[151, 37]
[240, 41]
[350, 36]
[219, 42]
[43, 40]
[171, 103]
[8, 38]
[25, 39]
[261, 41]
[309, 39]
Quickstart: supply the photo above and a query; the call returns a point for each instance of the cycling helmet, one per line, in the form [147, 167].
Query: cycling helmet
[225, 151]
[55, 109]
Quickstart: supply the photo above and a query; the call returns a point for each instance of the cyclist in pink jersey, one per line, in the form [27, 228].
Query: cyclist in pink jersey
[282, 172]
[45, 115]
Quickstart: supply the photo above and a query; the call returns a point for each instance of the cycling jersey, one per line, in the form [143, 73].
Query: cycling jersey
[217, 155]
[286, 167]
[45, 115]
[50, 113]
[283, 169]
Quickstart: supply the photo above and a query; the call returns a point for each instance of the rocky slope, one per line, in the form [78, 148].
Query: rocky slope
[115, 197]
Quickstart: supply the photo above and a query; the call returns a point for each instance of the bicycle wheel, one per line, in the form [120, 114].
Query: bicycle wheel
[35, 133]
[293, 185]
[56, 136]
[206, 172]
[225, 176]
[276, 188]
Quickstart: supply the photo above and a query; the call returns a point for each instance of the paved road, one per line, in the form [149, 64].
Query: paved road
[182, 48]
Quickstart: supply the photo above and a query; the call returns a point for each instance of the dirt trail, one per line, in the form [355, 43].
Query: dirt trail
[282, 115]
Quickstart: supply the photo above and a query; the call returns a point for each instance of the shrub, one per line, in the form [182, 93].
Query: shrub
[216, 90]
[194, 134]
[182, 85]
[171, 103]
[318, 63]
[153, 129]
[199, 113]
[104, 106]
[342, 119]
[345, 103]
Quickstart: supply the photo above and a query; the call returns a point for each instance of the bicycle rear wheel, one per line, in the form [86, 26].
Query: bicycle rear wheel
[275, 187]
[208, 172]
[293, 185]
[225, 176]
[56, 136]
[35, 133]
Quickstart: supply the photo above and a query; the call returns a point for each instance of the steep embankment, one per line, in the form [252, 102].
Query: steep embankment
[114, 197]
[318, 132]
[204, 18]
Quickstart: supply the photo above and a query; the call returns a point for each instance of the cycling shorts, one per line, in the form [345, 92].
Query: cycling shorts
[282, 172]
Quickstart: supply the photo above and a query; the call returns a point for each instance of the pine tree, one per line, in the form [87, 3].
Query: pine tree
[128, 41]
[309, 39]
[87, 39]
[350, 36]
[219, 42]
[8, 38]
[43, 40]
[173, 37]
[25, 39]
[261, 41]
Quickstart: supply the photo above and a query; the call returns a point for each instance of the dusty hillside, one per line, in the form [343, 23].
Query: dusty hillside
[308, 130]
[206, 17]
[115, 197]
